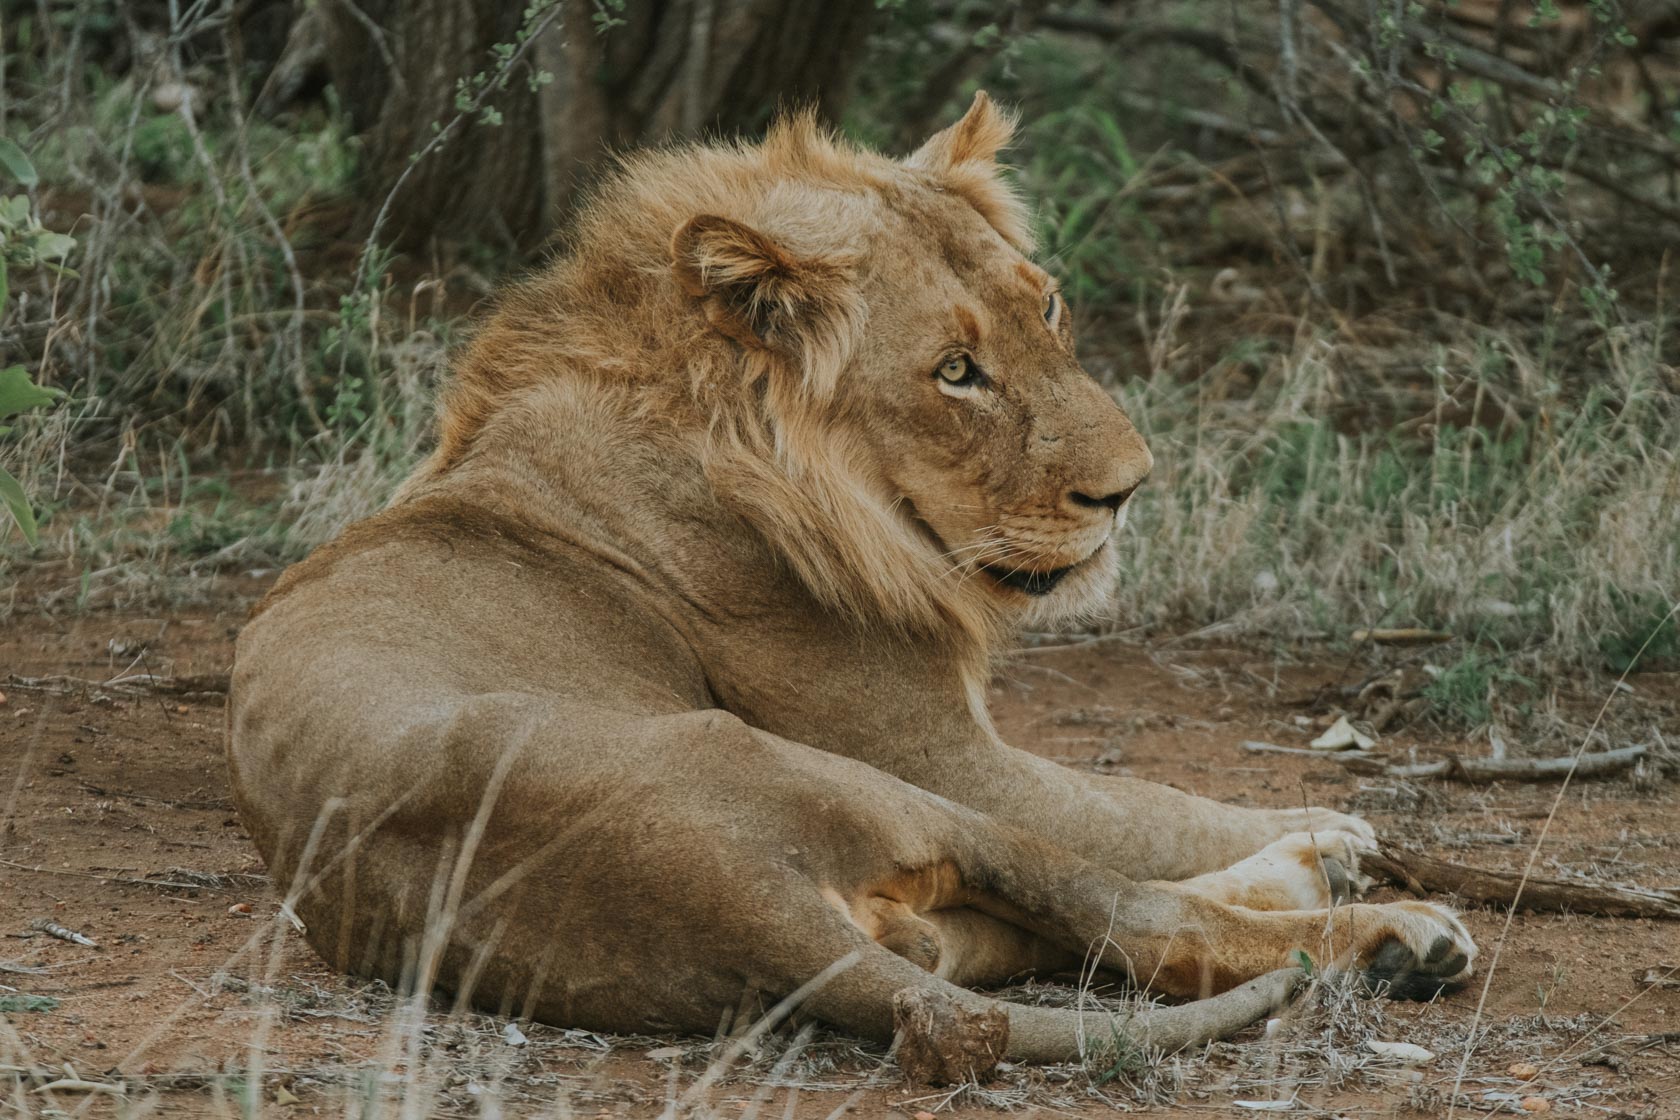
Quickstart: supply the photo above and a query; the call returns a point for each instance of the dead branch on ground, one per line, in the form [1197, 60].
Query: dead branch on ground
[1598, 764]
[1422, 875]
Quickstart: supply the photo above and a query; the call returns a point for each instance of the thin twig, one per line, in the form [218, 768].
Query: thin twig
[127, 880]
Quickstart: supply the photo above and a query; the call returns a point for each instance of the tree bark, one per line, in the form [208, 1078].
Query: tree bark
[667, 69]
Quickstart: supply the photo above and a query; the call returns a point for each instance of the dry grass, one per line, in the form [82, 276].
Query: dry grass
[1281, 511]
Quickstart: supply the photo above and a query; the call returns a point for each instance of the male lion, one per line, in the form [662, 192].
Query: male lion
[658, 689]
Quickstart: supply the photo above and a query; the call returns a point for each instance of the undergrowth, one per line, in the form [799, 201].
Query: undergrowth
[1334, 450]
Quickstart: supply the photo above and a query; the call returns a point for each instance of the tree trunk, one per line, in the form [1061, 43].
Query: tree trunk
[664, 69]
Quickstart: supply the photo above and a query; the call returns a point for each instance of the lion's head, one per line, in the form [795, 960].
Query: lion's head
[874, 372]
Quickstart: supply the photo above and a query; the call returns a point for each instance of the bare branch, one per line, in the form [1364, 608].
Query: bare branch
[1421, 875]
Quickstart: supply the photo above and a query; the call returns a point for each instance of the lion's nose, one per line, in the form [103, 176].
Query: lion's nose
[1112, 502]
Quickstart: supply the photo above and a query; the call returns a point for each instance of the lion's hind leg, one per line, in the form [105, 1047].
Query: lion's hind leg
[923, 916]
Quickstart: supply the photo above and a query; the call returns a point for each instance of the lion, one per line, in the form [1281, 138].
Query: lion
[656, 695]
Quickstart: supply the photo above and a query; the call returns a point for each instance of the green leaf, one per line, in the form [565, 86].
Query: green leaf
[17, 392]
[17, 164]
[1304, 961]
[5, 286]
[50, 246]
[11, 493]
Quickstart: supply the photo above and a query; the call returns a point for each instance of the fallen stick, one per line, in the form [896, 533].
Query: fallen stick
[140, 684]
[1598, 764]
[1594, 765]
[125, 880]
[1421, 875]
[77, 1085]
[200, 684]
[63, 933]
[220, 805]
[1256, 746]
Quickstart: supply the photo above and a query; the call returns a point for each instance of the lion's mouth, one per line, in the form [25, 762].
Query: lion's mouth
[1037, 583]
[1032, 583]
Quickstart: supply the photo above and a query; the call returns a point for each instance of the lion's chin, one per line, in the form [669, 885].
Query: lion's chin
[1080, 592]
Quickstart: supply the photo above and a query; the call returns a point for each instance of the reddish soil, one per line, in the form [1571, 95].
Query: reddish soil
[115, 822]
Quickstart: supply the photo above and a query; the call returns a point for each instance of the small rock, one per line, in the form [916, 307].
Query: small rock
[283, 1095]
[1536, 1104]
[1403, 1052]
[513, 1036]
[1524, 1071]
[666, 1053]
[923, 1115]
[240, 909]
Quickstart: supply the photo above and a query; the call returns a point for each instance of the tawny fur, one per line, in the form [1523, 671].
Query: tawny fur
[659, 687]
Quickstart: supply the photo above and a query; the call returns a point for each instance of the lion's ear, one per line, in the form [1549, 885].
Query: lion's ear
[753, 289]
[963, 158]
[983, 132]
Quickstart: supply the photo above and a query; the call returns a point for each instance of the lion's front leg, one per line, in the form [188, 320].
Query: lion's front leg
[1191, 836]
[1141, 829]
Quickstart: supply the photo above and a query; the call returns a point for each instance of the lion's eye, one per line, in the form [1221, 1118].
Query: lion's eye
[1053, 309]
[958, 370]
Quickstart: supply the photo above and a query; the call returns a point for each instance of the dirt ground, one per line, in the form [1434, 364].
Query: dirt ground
[116, 823]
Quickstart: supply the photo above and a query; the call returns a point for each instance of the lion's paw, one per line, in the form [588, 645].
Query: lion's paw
[1301, 871]
[1412, 950]
[1337, 855]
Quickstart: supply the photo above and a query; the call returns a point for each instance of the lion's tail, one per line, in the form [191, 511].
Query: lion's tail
[851, 982]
